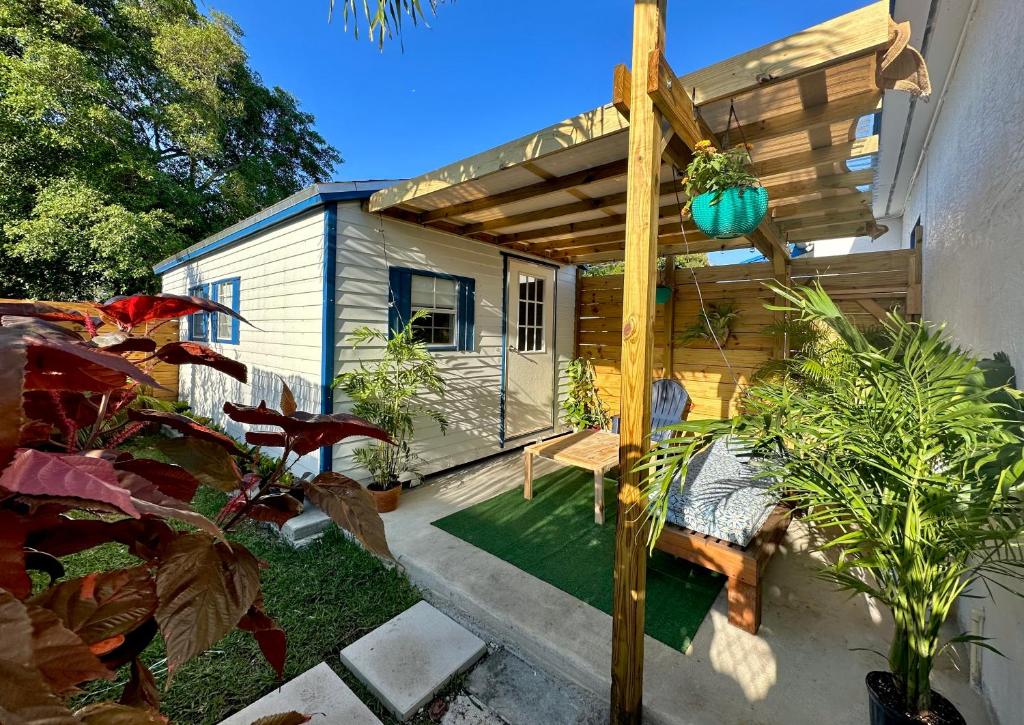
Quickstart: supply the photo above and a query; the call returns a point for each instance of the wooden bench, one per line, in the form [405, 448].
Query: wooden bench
[743, 565]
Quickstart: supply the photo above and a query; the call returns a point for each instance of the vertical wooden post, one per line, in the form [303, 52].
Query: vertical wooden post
[780, 270]
[669, 280]
[630, 571]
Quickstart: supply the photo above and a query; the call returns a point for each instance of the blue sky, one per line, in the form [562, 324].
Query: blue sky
[484, 72]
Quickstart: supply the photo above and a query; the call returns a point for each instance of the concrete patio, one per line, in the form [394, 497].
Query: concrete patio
[799, 668]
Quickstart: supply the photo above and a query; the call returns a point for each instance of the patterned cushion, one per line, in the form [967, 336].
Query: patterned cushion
[722, 497]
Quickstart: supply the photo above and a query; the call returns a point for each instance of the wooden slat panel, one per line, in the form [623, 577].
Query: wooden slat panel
[714, 382]
[166, 375]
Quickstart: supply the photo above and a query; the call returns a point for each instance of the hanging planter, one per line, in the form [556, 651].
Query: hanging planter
[725, 199]
[662, 294]
[733, 212]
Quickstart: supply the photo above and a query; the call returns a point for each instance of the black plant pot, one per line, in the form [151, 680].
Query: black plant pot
[886, 707]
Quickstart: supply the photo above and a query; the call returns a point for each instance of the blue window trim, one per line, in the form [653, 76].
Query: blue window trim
[199, 335]
[212, 324]
[400, 306]
[328, 317]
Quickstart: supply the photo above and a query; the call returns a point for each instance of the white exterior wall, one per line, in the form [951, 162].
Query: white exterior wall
[281, 294]
[969, 195]
[473, 378]
[854, 245]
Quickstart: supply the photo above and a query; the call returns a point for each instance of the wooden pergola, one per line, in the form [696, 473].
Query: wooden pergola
[606, 185]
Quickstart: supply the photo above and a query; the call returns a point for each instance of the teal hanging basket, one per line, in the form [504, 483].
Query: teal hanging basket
[737, 212]
[662, 295]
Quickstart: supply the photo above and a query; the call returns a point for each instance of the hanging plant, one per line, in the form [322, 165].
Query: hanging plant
[714, 323]
[726, 200]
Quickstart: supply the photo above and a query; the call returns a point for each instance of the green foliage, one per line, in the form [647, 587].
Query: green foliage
[607, 269]
[906, 461]
[712, 170]
[384, 20]
[390, 393]
[326, 596]
[582, 407]
[128, 130]
[713, 324]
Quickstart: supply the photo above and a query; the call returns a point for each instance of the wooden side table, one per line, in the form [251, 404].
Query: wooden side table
[593, 450]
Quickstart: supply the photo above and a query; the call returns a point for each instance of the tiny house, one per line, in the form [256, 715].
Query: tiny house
[310, 270]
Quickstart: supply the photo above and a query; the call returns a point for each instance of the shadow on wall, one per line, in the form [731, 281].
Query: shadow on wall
[471, 404]
[207, 390]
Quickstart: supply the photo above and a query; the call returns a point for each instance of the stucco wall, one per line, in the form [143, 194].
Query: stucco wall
[280, 273]
[367, 245]
[969, 196]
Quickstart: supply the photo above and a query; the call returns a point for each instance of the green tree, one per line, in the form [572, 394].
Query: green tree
[128, 130]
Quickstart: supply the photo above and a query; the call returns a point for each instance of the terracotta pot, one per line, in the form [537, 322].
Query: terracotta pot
[386, 500]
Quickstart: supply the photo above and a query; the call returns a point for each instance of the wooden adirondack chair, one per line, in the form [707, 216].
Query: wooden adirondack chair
[670, 403]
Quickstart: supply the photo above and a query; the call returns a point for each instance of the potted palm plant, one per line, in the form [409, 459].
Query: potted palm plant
[390, 392]
[910, 468]
[726, 200]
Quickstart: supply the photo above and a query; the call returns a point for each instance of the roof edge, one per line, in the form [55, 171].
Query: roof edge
[301, 201]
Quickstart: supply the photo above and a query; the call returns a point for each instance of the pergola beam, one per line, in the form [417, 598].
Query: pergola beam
[669, 97]
[837, 40]
[549, 186]
[816, 157]
[675, 150]
[800, 121]
[818, 184]
[576, 207]
[816, 207]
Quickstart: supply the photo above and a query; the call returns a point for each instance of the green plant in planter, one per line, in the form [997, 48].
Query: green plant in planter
[389, 392]
[582, 407]
[714, 323]
[909, 465]
[725, 199]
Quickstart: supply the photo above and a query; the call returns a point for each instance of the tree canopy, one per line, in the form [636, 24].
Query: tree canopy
[128, 130]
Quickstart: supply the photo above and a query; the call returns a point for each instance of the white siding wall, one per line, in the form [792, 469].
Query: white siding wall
[970, 198]
[473, 378]
[281, 294]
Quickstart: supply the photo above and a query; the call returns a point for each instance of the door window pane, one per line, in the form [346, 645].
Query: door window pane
[531, 314]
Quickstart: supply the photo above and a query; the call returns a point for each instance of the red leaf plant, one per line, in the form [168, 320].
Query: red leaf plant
[69, 397]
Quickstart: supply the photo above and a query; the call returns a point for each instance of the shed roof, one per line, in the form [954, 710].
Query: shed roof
[312, 196]
[561, 192]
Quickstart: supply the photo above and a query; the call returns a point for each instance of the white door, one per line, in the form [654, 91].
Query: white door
[530, 353]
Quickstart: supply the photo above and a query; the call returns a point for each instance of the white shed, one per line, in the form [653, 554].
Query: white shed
[311, 269]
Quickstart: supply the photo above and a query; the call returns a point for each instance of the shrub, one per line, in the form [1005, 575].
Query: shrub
[908, 463]
[69, 397]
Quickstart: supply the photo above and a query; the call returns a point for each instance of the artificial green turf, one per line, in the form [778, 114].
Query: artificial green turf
[554, 538]
[324, 596]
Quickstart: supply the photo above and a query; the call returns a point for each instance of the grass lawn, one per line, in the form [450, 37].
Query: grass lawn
[325, 596]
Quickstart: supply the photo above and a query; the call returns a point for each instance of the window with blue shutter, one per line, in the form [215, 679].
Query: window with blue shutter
[224, 328]
[449, 302]
[199, 323]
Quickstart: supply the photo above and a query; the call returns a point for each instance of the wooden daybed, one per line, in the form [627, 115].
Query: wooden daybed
[743, 565]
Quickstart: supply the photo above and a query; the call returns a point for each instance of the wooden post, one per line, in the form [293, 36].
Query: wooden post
[630, 571]
[780, 271]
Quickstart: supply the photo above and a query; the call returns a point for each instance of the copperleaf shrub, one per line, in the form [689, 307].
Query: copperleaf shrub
[70, 398]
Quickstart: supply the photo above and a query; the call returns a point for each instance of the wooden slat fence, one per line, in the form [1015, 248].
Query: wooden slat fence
[166, 375]
[864, 285]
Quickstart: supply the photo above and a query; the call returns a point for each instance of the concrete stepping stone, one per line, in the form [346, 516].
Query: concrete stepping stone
[318, 692]
[407, 660]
